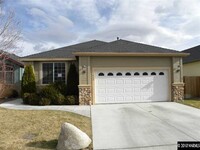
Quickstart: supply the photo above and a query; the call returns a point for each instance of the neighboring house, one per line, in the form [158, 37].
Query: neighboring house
[191, 72]
[114, 72]
[10, 74]
[191, 64]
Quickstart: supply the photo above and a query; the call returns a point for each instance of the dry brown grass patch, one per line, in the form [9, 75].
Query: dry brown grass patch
[27, 129]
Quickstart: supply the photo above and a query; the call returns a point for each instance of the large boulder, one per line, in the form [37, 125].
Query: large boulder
[72, 138]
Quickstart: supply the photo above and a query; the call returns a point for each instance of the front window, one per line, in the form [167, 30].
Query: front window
[53, 72]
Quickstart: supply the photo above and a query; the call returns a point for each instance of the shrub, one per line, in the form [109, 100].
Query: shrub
[52, 94]
[61, 87]
[26, 98]
[28, 84]
[72, 80]
[31, 98]
[44, 101]
[48, 92]
[71, 100]
[59, 99]
[34, 99]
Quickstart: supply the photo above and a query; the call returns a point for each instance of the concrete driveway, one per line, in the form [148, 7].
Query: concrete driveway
[144, 125]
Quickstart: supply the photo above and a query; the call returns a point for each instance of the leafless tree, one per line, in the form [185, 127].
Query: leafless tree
[9, 29]
[10, 33]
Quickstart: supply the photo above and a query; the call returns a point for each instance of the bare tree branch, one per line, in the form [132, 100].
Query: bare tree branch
[10, 34]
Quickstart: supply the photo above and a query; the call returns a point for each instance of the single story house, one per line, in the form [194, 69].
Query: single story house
[11, 70]
[191, 64]
[115, 72]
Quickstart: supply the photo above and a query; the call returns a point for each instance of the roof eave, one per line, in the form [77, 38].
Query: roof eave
[17, 62]
[130, 54]
[47, 59]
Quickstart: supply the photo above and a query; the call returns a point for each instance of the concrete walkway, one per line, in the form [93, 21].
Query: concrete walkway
[144, 126]
[17, 104]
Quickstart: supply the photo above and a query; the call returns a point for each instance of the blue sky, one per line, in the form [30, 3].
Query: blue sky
[49, 24]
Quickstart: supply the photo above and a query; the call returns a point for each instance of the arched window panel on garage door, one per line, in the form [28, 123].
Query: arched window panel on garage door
[110, 74]
[161, 74]
[101, 74]
[128, 74]
[136, 74]
[119, 74]
[145, 74]
[153, 74]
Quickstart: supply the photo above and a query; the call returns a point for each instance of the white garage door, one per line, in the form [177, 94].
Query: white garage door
[122, 86]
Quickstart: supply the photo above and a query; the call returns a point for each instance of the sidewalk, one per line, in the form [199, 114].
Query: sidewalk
[18, 104]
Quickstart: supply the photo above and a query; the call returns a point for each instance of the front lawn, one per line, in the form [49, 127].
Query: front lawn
[29, 130]
[193, 103]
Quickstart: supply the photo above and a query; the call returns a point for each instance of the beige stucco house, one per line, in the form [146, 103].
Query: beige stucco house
[115, 72]
[191, 64]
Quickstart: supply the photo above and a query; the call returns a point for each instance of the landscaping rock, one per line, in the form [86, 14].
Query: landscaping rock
[72, 138]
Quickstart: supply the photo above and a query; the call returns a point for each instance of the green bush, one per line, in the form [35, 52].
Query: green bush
[25, 98]
[48, 92]
[31, 98]
[28, 84]
[52, 94]
[44, 101]
[61, 87]
[34, 99]
[72, 80]
[59, 99]
[71, 100]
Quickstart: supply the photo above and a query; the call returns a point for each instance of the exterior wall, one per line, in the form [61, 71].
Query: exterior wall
[37, 70]
[191, 69]
[177, 69]
[130, 62]
[177, 78]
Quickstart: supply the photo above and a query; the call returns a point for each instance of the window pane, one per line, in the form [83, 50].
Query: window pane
[59, 72]
[47, 69]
